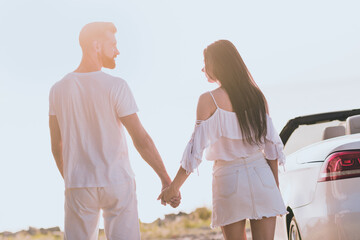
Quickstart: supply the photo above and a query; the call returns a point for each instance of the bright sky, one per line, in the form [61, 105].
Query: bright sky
[304, 55]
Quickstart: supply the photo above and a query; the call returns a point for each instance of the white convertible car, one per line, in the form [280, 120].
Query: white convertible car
[320, 182]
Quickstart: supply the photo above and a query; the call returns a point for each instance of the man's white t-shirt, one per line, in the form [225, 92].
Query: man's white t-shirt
[87, 107]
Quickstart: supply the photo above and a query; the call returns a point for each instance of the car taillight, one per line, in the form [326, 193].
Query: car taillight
[340, 165]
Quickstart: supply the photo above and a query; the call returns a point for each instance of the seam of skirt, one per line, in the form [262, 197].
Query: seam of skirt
[251, 190]
[277, 214]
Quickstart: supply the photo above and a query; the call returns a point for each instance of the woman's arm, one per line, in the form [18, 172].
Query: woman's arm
[274, 168]
[205, 109]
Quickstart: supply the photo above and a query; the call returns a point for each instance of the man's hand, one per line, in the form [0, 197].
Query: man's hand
[164, 186]
[171, 196]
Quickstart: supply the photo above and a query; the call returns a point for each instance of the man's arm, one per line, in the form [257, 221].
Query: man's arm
[56, 143]
[146, 147]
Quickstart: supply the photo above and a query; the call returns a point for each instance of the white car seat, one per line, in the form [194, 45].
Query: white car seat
[353, 124]
[331, 132]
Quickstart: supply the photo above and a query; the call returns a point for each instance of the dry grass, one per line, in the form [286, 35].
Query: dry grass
[195, 225]
[175, 226]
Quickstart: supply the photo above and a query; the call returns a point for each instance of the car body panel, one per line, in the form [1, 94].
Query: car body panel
[303, 179]
[334, 213]
[281, 229]
[320, 151]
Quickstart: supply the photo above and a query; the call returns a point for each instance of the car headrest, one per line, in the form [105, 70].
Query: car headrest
[353, 124]
[331, 132]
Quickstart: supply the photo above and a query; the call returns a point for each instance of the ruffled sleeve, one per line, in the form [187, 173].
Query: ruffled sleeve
[205, 133]
[273, 145]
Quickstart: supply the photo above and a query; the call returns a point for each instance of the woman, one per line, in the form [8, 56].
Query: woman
[237, 133]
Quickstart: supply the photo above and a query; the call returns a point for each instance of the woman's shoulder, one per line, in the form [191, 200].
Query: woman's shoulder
[205, 98]
[206, 106]
[222, 99]
[208, 96]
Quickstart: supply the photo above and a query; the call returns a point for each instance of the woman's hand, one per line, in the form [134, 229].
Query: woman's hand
[175, 201]
[171, 196]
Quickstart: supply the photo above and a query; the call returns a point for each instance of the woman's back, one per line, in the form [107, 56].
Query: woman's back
[218, 132]
[216, 114]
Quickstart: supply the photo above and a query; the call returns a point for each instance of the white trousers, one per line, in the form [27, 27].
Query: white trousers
[119, 205]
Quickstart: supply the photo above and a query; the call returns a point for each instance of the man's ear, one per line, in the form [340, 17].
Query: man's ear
[97, 46]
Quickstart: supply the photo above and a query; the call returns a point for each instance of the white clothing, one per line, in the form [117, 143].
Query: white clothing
[244, 189]
[119, 205]
[87, 107]
[244, 186]
[221, 136]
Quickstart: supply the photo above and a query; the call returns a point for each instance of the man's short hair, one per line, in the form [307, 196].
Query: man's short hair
[94, 31]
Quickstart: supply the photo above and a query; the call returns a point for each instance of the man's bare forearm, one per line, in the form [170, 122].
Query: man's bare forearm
[145, 146]
[149, 153]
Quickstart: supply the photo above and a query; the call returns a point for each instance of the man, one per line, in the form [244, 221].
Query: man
[88, 109]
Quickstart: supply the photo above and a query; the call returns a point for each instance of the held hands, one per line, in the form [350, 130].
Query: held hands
[171, 196]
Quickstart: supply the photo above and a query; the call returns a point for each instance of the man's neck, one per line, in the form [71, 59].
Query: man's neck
[89, 64]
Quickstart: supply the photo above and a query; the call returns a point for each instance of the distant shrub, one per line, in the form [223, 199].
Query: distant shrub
[203, 213]
[188, 224]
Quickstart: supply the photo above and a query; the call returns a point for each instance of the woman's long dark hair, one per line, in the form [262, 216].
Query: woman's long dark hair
[224, 63]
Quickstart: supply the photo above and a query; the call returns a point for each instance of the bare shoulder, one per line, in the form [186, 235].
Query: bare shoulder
[220, 94]
[205, 99]
[206, 106]
[222, 99]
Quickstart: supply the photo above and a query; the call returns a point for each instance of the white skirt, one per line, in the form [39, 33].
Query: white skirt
[244, 189]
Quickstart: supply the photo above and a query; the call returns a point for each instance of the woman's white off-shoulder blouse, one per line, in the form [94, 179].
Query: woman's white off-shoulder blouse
[221, 137]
